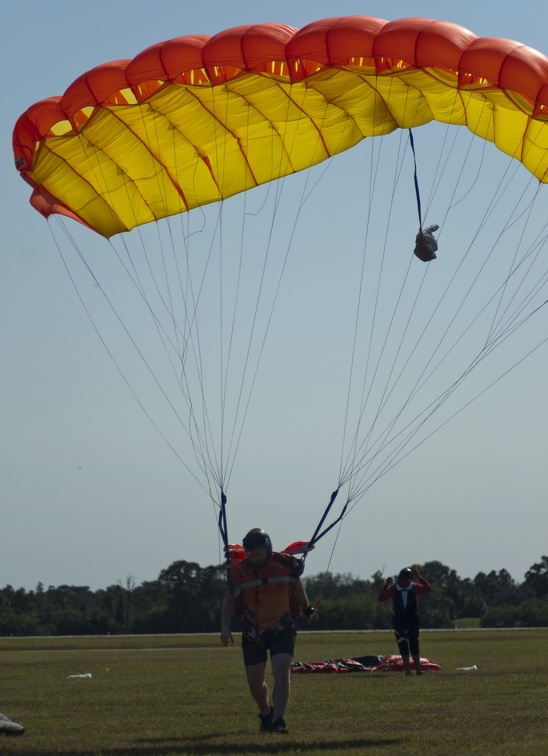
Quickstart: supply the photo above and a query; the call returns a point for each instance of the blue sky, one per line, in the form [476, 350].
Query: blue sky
[91, 494]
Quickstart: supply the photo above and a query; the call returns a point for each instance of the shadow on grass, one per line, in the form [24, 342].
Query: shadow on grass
[271, 744]
[201, 747]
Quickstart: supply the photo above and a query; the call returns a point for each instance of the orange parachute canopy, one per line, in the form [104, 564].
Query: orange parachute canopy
[198, 119]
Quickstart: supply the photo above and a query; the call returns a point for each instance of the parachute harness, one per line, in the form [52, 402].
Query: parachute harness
[300, 547]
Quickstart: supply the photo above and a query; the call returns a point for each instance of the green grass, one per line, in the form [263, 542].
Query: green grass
[467, 623]
[187, 695]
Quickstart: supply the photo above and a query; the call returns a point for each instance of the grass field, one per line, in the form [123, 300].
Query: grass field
[187, 695]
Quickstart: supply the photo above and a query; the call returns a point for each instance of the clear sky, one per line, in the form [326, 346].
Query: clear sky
[89, 492]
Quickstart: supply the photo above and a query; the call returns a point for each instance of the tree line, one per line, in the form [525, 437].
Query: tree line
[187, 598]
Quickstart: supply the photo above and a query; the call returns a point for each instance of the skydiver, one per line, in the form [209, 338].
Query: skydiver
[405, 605]
[263, 587]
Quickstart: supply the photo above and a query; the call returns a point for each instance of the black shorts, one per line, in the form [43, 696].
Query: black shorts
[276, 641]
[406, 630]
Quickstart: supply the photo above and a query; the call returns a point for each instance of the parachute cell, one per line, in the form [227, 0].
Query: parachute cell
[197, 119]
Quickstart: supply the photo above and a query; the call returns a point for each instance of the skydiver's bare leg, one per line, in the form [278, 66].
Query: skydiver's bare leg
[256, 679]
[281, 670]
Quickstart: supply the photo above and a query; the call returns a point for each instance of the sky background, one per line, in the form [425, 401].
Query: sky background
[89, 492]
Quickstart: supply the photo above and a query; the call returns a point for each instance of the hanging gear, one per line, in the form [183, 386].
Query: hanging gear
[425, 244]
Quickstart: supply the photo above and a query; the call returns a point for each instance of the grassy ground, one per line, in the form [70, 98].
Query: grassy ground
[467, 624]
[187, 695]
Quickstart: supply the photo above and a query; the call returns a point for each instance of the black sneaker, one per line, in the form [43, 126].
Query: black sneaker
[279, 726]
[266, 721]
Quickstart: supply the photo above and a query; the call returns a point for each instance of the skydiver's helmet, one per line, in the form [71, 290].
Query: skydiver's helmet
[405, 574]
[255, 539]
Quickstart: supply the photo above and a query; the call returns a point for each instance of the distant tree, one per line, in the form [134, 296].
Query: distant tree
[149, 606]
[443, 578]
[187, 598]
[191, 591]
[536, 578]
[531, 613]
[74, 597]
[116, 600]
[328, 585]
[377, 581]
[441, 607]
[473, 602]
[347, 602]
[499, 588]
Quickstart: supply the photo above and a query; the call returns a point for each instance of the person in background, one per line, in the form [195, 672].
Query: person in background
[404, 594]
[265, 587]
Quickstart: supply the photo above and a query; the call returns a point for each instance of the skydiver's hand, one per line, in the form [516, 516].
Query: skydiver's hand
[311, 614]
[226, 638]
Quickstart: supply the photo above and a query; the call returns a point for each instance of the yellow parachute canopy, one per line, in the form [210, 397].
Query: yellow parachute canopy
[198, 119]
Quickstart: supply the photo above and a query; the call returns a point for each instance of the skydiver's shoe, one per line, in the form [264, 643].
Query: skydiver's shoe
[279, 726]
[7, 727]
[266, 721]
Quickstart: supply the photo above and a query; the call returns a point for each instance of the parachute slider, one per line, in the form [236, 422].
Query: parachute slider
[425, 244]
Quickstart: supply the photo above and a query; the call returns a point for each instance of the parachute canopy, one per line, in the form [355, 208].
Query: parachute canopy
[197, 119]
[185, 306]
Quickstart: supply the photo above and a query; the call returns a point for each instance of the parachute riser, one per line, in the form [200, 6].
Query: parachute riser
[319, 533]
[223, 529]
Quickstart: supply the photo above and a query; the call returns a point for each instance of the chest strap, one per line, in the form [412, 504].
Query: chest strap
[262, 581]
